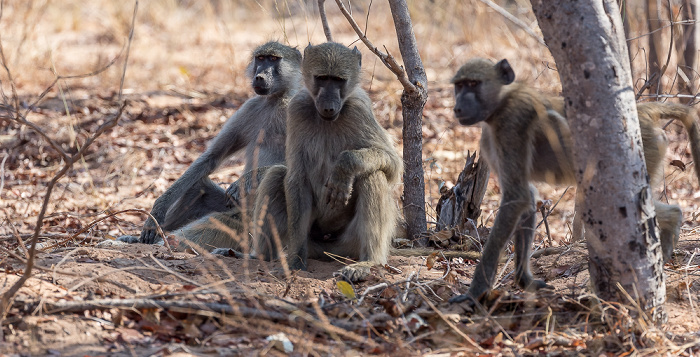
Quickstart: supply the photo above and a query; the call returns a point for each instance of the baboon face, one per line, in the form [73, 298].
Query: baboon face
[330, 94]
[266, 68]
[274, 67]
[331, 72]
[478, 85]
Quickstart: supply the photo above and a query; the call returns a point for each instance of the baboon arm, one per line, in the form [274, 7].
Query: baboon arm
[362, 162]
[299, 209]
[227, 142]
[358, 163]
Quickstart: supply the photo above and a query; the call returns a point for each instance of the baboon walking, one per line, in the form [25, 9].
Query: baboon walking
[525, 138]
[276, 77]
[335, 194]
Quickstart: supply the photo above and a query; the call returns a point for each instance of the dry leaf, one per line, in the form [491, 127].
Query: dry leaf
[679, 164]
[346, 289]
[432, 258]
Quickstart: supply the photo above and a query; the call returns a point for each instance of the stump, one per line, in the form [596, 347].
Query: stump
[461, 203]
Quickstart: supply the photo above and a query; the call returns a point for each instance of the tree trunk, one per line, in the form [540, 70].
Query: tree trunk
[691, 37]
[652, 8]
[412, 111]
[462, 203]
[586, 40]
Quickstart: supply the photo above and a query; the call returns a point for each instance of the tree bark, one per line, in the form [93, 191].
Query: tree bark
[462, 202]
[412, 110]
[691, 37]
[653, 12]
[587, 42]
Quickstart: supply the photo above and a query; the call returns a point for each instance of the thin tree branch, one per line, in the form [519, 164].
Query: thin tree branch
[386, 58]
[514, 20]
[324, 20]
[8, 296]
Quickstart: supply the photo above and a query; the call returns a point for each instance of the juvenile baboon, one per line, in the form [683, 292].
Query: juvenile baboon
[525, 138]
[335, 194]
[276, 77]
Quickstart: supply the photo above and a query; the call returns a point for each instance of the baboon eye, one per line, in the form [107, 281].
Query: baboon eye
[261, 57]
[472, 83]
[274, 58]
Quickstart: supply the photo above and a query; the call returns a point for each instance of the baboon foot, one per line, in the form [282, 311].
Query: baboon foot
[533, 285]
[356, 272]
[296, 263]
[228, 252]
[129, 239]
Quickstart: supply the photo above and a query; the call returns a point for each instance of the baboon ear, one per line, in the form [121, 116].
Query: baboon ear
[358, 54]
[505, 71]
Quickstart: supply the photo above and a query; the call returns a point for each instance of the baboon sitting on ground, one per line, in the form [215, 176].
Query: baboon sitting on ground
[276, 77]
[335, 194]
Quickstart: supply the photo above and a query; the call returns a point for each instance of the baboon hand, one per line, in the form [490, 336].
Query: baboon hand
[233, 195]
[296, 263]
[149, 233]
[338, 189]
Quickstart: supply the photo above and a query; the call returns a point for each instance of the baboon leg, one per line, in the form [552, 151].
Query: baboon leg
[215, 230]
[670, 219]
[199, 200]
[511, 209]
[368, 235]
[373, 224]
[246, 185]
[270, 203]
[523, 247]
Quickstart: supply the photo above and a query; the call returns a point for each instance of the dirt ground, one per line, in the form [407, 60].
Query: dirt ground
[92, 296]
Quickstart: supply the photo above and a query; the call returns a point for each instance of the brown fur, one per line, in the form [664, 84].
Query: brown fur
[275, 75]
[525, 138]
[335, 195]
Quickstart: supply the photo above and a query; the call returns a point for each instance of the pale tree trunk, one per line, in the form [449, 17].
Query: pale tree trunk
[653, 12]
[587, 42]
[691, 37]
[415, 94]
[412, 102]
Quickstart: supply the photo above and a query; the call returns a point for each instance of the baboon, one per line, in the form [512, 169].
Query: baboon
[335, 193]
[525, 138]
[276, 77]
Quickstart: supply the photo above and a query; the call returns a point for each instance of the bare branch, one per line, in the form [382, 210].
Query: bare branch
[386, 58]
[8, 296]
[324, 20]
[514, 20]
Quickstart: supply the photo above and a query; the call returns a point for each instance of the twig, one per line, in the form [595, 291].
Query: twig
[2, 172]
[5, 301]
[386, 58]
[449, 323]
[41, 267]
[93, 223]
[324, 20]
[545, 214]
[371, 289]
[514, 20]
[200, 308]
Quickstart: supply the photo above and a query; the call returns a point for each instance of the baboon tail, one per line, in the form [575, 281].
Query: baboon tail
[690, 121]
[686, 115]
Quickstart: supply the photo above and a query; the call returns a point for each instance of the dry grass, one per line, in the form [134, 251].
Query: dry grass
[186, 76]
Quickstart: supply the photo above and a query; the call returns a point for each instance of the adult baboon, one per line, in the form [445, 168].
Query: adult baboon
[525, 138]
[335, 194]
[276, 77]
